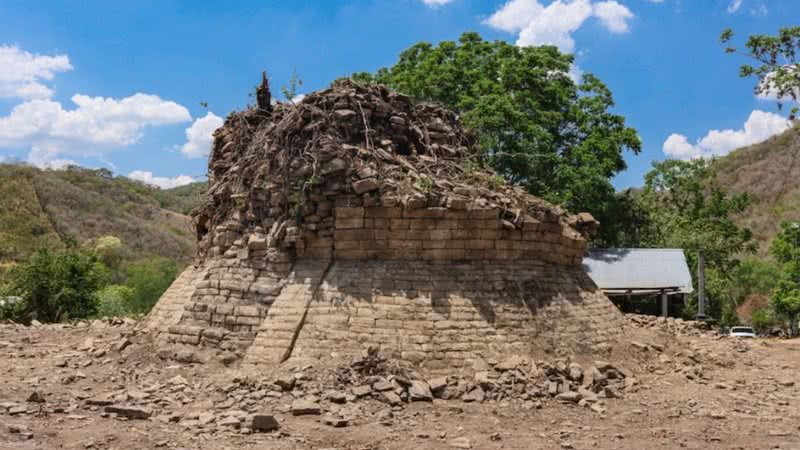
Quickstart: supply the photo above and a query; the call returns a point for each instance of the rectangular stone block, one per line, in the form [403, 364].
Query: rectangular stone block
[400, 224]
[424, 213]
[353, 235]
[483, 214]
[343, 212]
[422, 224]
[404, 244]
[384, 213]
[479, 244]
[248, 310]
[346, 224]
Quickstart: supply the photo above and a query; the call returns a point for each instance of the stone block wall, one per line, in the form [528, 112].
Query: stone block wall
[433, 286]
[442, 234]
[440, 316]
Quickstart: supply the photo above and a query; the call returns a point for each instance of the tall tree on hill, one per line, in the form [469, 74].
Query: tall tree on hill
[535, 125]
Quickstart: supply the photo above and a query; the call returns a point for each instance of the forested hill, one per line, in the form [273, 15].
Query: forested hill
[47, 207]
[770, 172]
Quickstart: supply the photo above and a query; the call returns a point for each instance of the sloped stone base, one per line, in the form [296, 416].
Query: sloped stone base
[436, 315]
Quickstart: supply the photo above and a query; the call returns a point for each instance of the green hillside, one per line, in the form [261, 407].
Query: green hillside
[45, 207]
[770, 172]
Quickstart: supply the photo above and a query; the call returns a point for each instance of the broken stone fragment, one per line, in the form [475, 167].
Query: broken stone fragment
[336, 422]
[365, 185]
[264, 423]
[302, 407]
[286, 382]
[475, 395]
[569, 397]
[420, 391]
[130, 412]
[438, 386]
[344, 114]
[391, 398]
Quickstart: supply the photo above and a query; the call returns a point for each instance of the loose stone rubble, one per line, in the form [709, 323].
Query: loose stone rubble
[358, 218]
[65, 383]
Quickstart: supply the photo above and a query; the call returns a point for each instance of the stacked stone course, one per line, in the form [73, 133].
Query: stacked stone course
[349, 221]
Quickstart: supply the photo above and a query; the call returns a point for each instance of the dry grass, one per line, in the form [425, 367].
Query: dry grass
[763, 171]
[41, 208]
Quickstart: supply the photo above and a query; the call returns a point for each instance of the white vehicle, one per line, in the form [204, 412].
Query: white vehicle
[743, 332]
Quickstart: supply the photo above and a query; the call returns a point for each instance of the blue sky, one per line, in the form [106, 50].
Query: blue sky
[119, 84]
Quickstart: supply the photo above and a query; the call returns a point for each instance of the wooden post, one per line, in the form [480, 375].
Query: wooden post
[664, 303]
[701, 286]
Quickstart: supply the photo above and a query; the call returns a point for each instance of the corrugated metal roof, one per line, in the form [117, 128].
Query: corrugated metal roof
[639, 268]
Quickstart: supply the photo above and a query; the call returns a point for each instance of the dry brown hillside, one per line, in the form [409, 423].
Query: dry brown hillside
[767, 171]
[42, 208]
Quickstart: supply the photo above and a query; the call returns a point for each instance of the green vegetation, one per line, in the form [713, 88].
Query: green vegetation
[81, 243]
[776, 68]
[73, 283]
[55, 285]
[147, 280]
[534, 124]
[786, 250]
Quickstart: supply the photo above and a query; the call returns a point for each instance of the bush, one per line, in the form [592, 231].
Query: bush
[114, 301]
[751, 305]
[148, 280]
[56, 286]
[763, 320]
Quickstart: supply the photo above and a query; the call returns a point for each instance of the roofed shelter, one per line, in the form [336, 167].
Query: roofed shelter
[624, 273]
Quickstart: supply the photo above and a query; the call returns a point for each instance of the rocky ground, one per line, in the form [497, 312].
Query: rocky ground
[104, 385]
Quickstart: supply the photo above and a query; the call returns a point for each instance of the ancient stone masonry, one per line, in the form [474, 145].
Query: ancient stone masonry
[358, 218]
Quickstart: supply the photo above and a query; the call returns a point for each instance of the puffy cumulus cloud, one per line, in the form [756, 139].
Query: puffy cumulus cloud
[162, 182]
[22, 73]
[758, 127]
[614, 16]
[554, 24]
[200, 135]
[102, 122]
[436, 2]
[515, 15]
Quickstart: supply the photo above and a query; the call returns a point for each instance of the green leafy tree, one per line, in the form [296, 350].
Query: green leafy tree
[534, 124]
[786, 250]
[687, 209]
[56, 286]
[148, 280]
[776, 66]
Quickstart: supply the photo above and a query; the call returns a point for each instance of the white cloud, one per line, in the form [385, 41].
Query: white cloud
[95, 125]
[555, 23]
[436, 2]
[22, 73]
[45, 159]
[162, 182]
[734, 6]
[514, 15]
[758, 127]
[614, 16]
[199, 136]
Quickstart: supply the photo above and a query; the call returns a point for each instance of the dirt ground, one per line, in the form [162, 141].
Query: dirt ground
[695, 392]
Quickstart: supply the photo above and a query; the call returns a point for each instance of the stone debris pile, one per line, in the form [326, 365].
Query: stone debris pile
[669, 324]
[281, 174]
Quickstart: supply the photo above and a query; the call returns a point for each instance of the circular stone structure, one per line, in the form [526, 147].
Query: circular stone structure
[358, 218]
